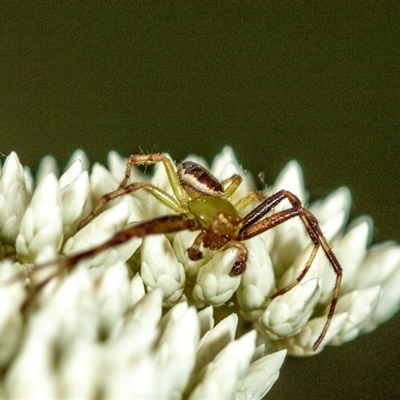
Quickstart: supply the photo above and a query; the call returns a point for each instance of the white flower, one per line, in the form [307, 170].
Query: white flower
[142, 320]
[14, 198]
[160, 268]
[214, 285]
[286, 315]
[258, 282]
[42, 222]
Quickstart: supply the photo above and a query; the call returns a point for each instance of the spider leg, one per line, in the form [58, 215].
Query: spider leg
[125, 188]
[194, 251]
[251, 197]
[160, 194]
[166, 224]
[239, 265]
[148, 159]
[231, 184]
[40, 285]
[267, 205]
[301, 275]
[255, 225]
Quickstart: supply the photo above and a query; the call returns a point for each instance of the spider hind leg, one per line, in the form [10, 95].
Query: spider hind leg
[256, 223]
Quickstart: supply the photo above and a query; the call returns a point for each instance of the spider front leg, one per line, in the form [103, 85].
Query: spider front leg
[165, 224]
[149, 159]
[158, 193]
[125, 188]
[255, 225]
[194, 252]
[251, 197]
[239, 265]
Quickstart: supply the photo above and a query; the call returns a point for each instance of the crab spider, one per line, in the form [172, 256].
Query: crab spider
[202, 203]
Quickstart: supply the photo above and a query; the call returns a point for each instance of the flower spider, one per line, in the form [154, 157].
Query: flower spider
[203, 203]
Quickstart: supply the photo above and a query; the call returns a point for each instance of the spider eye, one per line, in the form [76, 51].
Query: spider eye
[197, 180]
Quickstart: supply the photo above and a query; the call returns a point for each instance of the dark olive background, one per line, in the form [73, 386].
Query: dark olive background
[318, 82]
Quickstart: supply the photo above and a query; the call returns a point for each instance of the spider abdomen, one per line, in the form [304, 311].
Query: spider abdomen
[197, 180]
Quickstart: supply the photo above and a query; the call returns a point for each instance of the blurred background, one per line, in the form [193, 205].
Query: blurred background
[276, 81]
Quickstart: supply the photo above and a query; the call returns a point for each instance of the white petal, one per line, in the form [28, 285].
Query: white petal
[112, 295]
[258, 281]
[223, 376]
[381, 267]
[14, 198]
[287, 314]
[382, 261]
[23, 381]
[73, 171]
[69, 315]
[39, 273]
[117, 166]
[359, 306]
[176, 350]
[136, 290]
[75, 297]
[130, 368]
[214, 285]
[388, 303]
[144, 205]
[206, 320]
[102, 182]
[214, 341]
[101, 229]
[11, 322]
[260, 377]
[29, 181]
[290, 179]
[332, 212]
[48, 165]
[320, 268]
[160, 268]
[290, 237]
[302, 344]
[225, 165]
[80, 371]
[182, 241]
[351, 251]
[147, 312]
[74, 197]
[132, 378]
[41, 224]
[82, 157]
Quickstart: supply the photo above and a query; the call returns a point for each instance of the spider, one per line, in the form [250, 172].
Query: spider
[202, 203]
